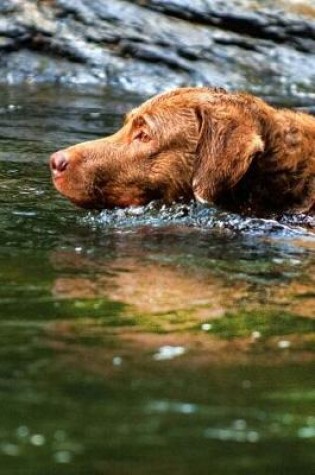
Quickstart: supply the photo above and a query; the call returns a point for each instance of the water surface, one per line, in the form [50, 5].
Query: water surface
[154, 340]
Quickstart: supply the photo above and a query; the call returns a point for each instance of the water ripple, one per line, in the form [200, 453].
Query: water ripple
[199, 216]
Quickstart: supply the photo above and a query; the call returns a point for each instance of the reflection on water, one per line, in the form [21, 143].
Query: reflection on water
[152, 340]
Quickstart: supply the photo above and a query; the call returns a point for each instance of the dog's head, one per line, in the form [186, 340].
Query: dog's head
[190, 142]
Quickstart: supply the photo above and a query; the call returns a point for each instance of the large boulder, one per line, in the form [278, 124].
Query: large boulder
[150, 45]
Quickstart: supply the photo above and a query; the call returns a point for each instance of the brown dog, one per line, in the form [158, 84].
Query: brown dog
[230, 149]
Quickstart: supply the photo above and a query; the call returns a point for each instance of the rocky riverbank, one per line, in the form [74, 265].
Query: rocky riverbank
[149, 45]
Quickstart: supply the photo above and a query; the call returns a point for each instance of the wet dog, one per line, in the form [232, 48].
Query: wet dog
[228, 149]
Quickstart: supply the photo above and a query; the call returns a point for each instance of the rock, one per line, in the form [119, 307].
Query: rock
[150, 45]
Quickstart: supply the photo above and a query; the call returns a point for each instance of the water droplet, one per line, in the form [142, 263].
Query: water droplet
[159, 406]
[306, 432]
[277, 260]
[206, 327]
[63, 456]
[295, 262]
[60, 435]
[95, 115]
[239, 424]
[186, 408]
[219, 434]
[38, 440]
[252, 436]
[224, 434]
[26, 214]
[168, 352]
[22, 432]
[284, 344]
[10, 449]
[117, 361]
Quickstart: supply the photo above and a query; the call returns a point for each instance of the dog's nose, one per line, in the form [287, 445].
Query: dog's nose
[58, 162]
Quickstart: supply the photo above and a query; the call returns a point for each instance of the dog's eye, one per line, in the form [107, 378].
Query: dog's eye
[142, 136]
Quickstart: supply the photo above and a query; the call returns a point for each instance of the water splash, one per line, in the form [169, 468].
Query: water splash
[199, 216]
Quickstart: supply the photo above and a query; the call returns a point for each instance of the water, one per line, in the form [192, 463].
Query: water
[145, 341]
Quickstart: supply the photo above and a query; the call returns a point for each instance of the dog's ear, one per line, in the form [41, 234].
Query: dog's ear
[228, 142]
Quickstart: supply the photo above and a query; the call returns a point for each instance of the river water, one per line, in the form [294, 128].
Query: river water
[147, 341]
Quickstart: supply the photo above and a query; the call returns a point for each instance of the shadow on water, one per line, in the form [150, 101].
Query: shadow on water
[151, 340]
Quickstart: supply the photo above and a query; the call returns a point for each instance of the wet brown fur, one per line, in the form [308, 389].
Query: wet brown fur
[230, 149]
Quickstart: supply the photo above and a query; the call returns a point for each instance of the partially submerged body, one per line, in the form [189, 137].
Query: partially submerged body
[228, 149]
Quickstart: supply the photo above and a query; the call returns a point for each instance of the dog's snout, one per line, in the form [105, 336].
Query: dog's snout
[59, 162]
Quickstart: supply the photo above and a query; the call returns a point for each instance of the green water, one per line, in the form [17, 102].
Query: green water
[145, 342]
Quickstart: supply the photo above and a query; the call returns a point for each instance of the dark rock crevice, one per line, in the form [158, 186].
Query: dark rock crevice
[263, 23]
